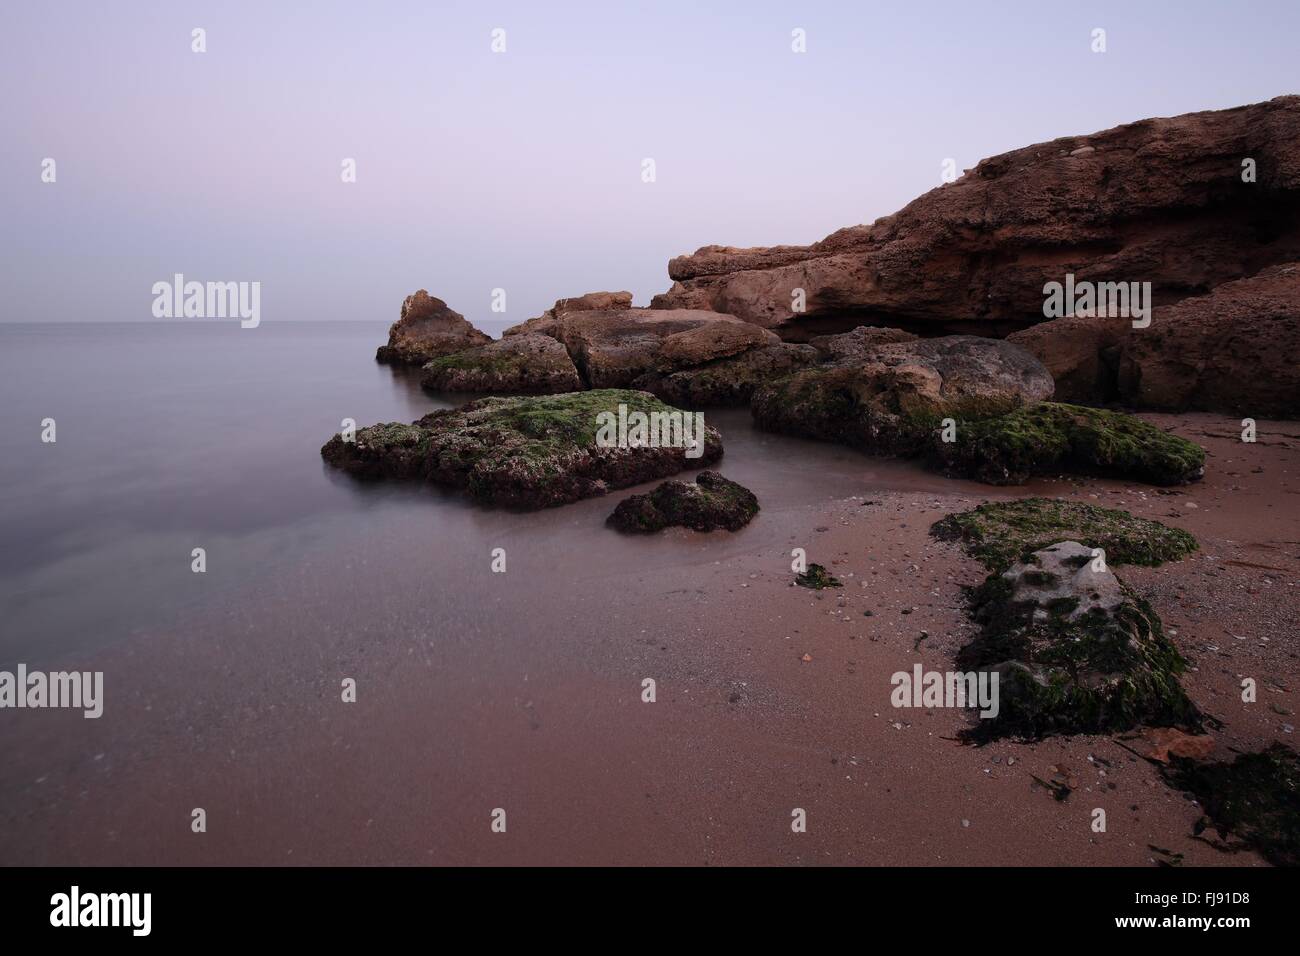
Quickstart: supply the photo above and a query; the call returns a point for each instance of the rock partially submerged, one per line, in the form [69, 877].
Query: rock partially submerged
[1076, 651]
[1160, 201]
[427, 329]
[524, 452]
[709, 503]
[527, 364]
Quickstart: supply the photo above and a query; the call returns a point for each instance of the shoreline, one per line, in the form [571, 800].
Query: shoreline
[548, 723]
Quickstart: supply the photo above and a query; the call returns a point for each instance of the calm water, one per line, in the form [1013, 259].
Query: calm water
[177, 436]
[222, 689]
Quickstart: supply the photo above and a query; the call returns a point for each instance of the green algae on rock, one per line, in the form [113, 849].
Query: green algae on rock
[709, 503]
[1256, 798]
[892, 398]
[817, 577]
[999, 533]
[527, 364]
[1051, 437]
[1076, 651]
[525, 452]
[727, 381]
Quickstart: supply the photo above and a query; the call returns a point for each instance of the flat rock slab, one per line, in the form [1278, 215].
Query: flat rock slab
[531, 452]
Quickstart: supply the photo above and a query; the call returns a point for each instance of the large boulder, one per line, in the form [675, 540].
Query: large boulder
[527, 364]
[1051, 438]
[1075, 650]
[612, 348]
[529, 452]
[1164, 201]
[1234, 350]
[426, 329]
[1231, 350]
[892, 398]
[588, 302]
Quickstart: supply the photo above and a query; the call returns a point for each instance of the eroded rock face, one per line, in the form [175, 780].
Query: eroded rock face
[1231, 350]
[1234, 350]
[1066, 580]
[526, 364]
[892, 398]
[427, 329]
[1082, 355]
[533, 452]
[1160, 201]
[856, 343]
[709, 503]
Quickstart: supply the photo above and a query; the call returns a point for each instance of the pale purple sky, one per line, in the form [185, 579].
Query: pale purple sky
[522, 170]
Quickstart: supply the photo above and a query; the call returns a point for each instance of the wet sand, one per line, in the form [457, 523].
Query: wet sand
[533, 702]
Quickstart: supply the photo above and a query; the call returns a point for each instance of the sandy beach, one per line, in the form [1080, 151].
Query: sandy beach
[769, 698]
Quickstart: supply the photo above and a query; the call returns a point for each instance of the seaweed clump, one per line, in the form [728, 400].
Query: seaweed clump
[817, 577]
[1255, 798]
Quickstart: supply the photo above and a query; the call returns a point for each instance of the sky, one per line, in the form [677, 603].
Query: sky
[522, 170]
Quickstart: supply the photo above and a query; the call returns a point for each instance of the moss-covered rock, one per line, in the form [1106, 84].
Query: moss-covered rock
[1255, 798]
[892, 398]
[710, 502]
[1000, 533]
[531, 452]
[527, 364]
[727, 381]
[1051, 437]
[817, 577]
[895, 399]
[1076, 651]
